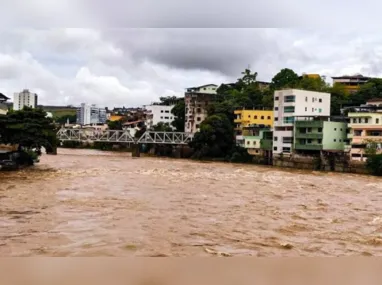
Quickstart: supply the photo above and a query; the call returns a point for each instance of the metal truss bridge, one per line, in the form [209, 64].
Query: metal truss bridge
[113, 136]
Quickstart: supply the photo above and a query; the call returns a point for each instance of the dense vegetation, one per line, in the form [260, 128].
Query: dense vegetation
[29, 128]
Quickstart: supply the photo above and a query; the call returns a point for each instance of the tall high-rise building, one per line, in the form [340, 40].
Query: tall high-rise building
[24, 98]
[90, 114]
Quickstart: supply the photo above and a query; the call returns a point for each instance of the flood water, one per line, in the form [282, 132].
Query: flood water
[92, 203]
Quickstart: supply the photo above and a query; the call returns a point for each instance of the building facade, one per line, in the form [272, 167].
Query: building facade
[159, 113]
[314, 134]
[24, 98]
[351, 83]
[3, 107]
[91, 114]
[197, 100]
[364, 127]
[246, 118]
[290, 103]
[256, 139]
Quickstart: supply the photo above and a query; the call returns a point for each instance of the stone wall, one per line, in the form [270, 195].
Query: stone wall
[313, 163]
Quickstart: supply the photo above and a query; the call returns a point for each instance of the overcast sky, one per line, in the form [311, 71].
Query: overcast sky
[113, 66]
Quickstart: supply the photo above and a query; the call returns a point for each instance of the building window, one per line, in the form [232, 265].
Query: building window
[254, 142]
[320, 141]
[335, 129]
[167, 111]
[354, 121]
[275, 139]
[276, 108]
[366, 120]
[309, 141]
[360, 120]
[276, 98]
[166, 118]
[262, 117]
[286, 149]
[289, 109]
[255, 117]
[248, 142]
[275, 148]
[340, 140]
[161, 117]
[288, 120]
[377, 121]
[335, 140]
[313, 99]
[289, 99]
[249, 116]
[319, 110]
[197, 126]
[306, 109]
[306, 99]
[269, 117]
[312, 109]
[161, 111]
[341, 130]
[309, 130]
[287, 140]
[198, 119]
[276, 119]
[320, 100]
[320, 130]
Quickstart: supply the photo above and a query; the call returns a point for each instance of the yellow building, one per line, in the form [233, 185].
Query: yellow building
[245, 118]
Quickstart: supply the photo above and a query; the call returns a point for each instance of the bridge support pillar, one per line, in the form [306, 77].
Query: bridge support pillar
[136, 150]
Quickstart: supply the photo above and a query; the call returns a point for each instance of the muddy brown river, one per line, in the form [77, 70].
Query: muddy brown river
[92, 203]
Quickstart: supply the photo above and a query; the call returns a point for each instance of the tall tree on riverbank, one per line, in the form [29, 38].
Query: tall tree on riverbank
[179, 113]
[28, 128]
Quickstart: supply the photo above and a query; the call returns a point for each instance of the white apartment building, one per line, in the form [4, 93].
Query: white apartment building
[291, 103]
[196, 101]
[90, 114]
[159, 113]
[24, 98]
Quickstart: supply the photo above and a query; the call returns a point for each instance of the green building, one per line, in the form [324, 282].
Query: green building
[312, 134]
[257, 139]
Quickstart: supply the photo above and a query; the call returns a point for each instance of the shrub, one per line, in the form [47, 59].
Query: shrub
[374, 164]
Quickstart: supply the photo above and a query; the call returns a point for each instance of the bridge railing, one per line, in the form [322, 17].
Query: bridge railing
[124, 136]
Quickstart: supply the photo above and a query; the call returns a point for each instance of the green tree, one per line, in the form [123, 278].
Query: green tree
[179, 116]
[286, 78]
[372, 89]
[115, 125]
[28, 128]
[339, 98]
[313, 84]
[168, 100]
[215, 139]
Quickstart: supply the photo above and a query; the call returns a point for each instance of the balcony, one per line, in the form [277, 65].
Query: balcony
[237, 121]
[308, 146]
[350, 136]
[309, 135]
[309, 124]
